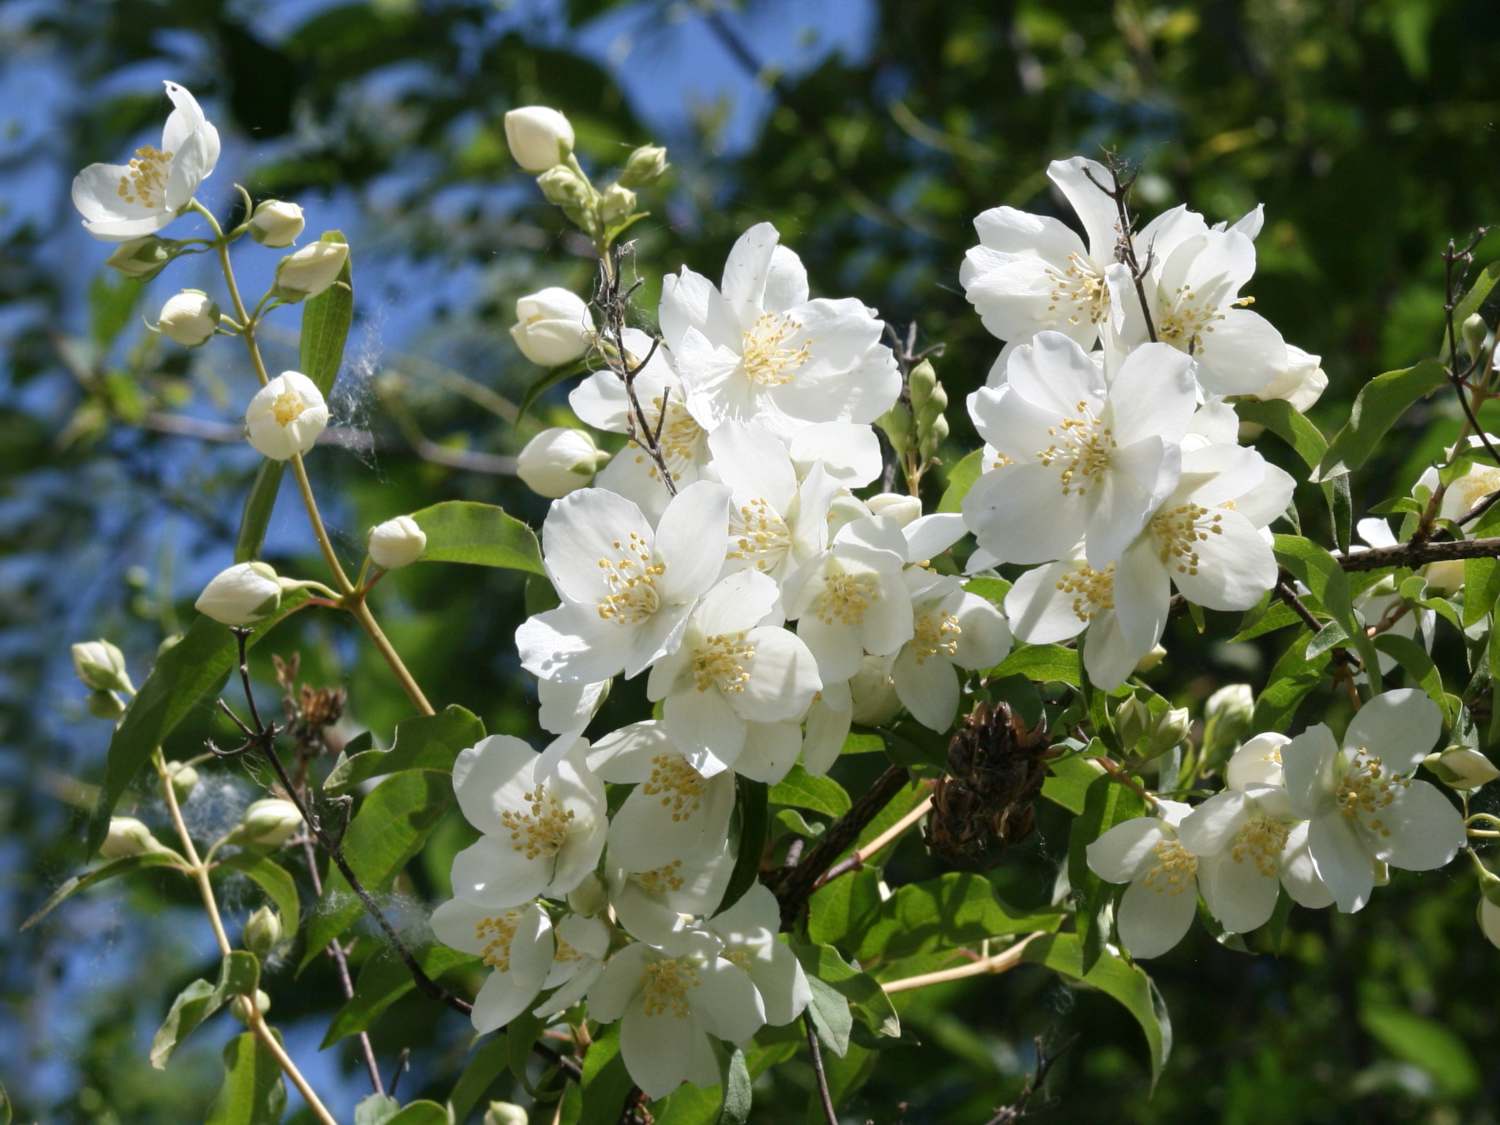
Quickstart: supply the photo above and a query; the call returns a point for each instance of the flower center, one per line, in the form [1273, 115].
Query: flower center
[1366, 789]
[681, 438]
[1080, 288]
[659, 880]
[1260, 841]
[738, 957]
[541, 831]
[845, 597]
[287, 407]
[1082, 447]
[667, 985]
[1178, 531]
[1185, 319]
[1175, 870]
[1092, 591]
[765, 356]
[631, 581]
[935, 633]
[495, 934]
[144, 182]
[759, 534]
[677, 782]
[723, 661]
[564, 951]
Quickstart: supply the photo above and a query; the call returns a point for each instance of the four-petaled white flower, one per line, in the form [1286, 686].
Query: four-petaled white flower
[627, 589]
[542, 830]
[1158, 906]
[749, 932]
[757, 349]
[120, 202]
[1364, 805]
[952, 629]
[517, 945]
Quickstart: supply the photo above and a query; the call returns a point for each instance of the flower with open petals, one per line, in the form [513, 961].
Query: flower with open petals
[749, 932]
[952, 629]
[120, 202]
[1159, 904]
[286, 416]
[517, 945]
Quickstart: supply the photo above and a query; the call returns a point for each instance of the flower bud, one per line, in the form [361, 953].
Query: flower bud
[928, 401]
[590, 897]
[143, 258]
[557, 461]
[1445, 577]
[240, 1005]
[101, 666]
[539, 137]
[1301, 383]
[895, 506]
[241, 594]
[276, 224]
[1226, 718]
[270, 822]
[616, 205]
[553, 327]
[106, 705]
[188, 318]
[505, 1113]
[1148, 733]
[396, 543]
[1462, 767]
[184, 779]
[565, 188]
[646, 165]
[262, 932]
[310, 270]
[1132, 721]
[1474, 332]
[286, 416]
[1489, 920]
[128, 836]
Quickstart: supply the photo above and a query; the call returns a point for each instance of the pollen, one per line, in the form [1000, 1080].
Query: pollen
[1179, 530]
[722, 661]
[677, 783]
[287, 407]
[666, 986]
[1366, 790]
[1092, 591]
[681, 441]
[1082, 448]
[845, 597]
[1186, 319]
[1261, 842]
[565, 952]
[758, 535]
[767, 359]
[935, 633]
[144, 182]
[1079, 291]
[495, 935]
[631, 581]
[1175, 870]
[660, 880]
[543, 828]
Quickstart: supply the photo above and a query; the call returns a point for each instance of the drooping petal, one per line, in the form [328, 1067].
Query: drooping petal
[1121, 853]
[770, 752]
[927, 687]
[1341, 859]
[1397, 727]
[1151, 920]
[663, 1051]
[783, 677]
[726, 1002]
[620, 983]
[1239, 894]
[1299, 875]
[572, 643]
[1308, 762]
[984, 634]
[1210, 828]
[1109, 656]
[1142, 595]
[509, 992]
[1234, 565]
[493, 874]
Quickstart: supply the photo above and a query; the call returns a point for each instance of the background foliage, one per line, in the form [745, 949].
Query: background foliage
[871, 133]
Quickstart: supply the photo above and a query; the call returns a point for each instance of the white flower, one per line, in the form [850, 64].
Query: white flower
[952, 629]
[655, 903]
[852, 599]
[1158, 906]
[736, 668]
[286, 416]
[600, 400]
[539, 137]
[758, 349]
[674, 812]
[241, 594]
[626, 589]
[276, 224]
[541, 835]
[120, 202]
[829, 717]
[396, 543]
[1056, 602]
[188, 318]
[1082, 460]
[311, 270]
[558, 461]
[582, 945]
[517, 945]
[872, 692]
[568, 706]
[1301, 383]
[749, 931]
[670, 1001]
[553, 326]
[1364, 805]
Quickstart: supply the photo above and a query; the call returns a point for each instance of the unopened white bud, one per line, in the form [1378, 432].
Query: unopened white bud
[286, 416]
[241, 594]
[188, 318]
[310, 270]
[616, 204]
[106, 705]
[590, 897]
[143, 258]
[557, 461]
[539, 137]
[646, 165]
[505, 1113]
[101, 666]
[270, 822]
[396, 543]
[276, 223]
[183, 778]
[128, 836]
[1233, 702]
[553, 327]
[896, 506]
[1462, 767]
[262, 932]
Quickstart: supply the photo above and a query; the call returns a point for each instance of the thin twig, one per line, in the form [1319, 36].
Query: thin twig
[1009, 1114]
[824, 1094]
[1121, 182]
[857, 858]
[1420, 554]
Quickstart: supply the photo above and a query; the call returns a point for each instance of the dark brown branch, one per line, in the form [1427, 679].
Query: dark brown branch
[1420, 554]
[1121, 182]
[825, 1096]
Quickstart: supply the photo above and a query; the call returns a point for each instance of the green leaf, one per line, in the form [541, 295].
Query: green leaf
[239, 975]
[801, 790]
[867, 999]
[1289, 424]
[422, 1112]
[112, 305]
[425, 742]
[1292, 678]
[1041, 664]
[186, 675]
[1481, 589]
[961, 478]
[479, 1073]
[1321, 574]
[377, 1109]
[836, 909]
[520, 1037]
[461, 531]
[383, 980]
[1069, 778]
[830, 1015]
[1266, 619]
[755, 821]
[125, 865]
[272, 878]
[958, 908]
[1414, 659]
[259, 502]
[734, 1079]
[606, 1084]
[1471, 301]
[1378, 405]
[253, 1093]
[325, 325]
[1114, 976]
[1425, 1043]
[388, 830]
[1106, 804]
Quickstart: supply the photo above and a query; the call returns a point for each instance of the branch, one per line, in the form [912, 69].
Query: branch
[1420, 554]
[1119, 190]
[824, 1095]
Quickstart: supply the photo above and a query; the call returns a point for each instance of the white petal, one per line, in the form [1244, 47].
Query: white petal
[703, 722]
[1235, 564]
[1211, 827]
[625, 757]
[1150, 922]
[1020, 514]
[984, 637]
[652, 829]
[584, 528]
[1397, 727]
[1341, 860]
[692, 539]
[1238, 893]
[574, 644]
[834, 645]
[506, 994]
[662, 1052]
[1139, 478]
[495, 875]
[1241, 355]
[826, 730]
[928, 688]
[1143, 595]
[1055, 373]
[782, 985]
[1039, 612]
[1308, 763]
[1109, 656]
[771, 751]
[1299, 875]
[927, 537]
[849, 452]
[783, 677]
[1425, 829]
[1257, 762]
[745, 272]
[1154, 394]
[1121, 853]
[619, 983]
[726, 1002]
[737, 603]
[490, 777]
[754, 464]
[1079, 179]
